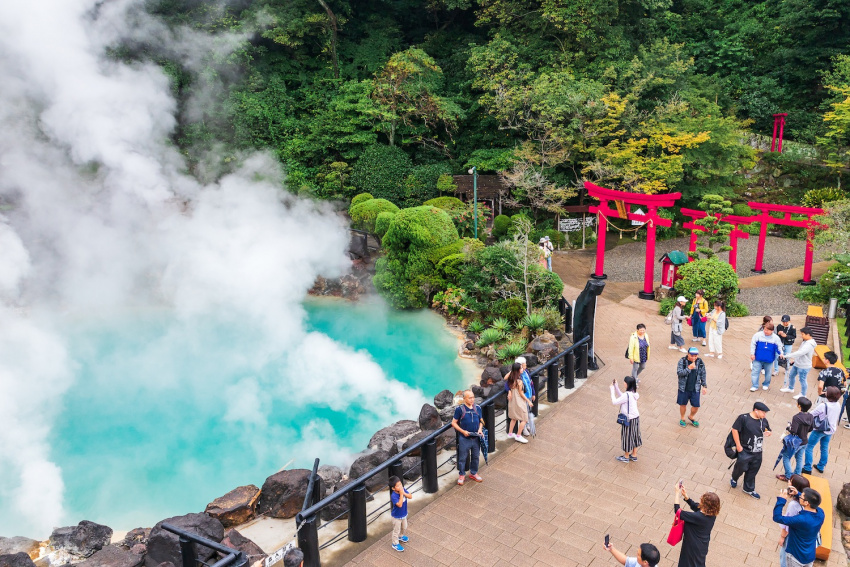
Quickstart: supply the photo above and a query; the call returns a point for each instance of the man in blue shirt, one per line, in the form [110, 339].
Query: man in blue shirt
[803, 529]
[468, 421]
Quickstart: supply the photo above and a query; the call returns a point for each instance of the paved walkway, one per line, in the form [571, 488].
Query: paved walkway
[550, 503]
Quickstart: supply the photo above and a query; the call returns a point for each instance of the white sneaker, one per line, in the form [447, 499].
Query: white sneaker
[511, 435]
[521, 439]
[704, 343]
[673, 347]
[711, 354]
[765, 387]
[775, 373]
[694, 340]
[683, 350]
[786, 390]
[719, 356]
[797, 396]
[753, 389]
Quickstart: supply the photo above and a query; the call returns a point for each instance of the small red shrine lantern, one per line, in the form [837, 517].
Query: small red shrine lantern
[670, 263]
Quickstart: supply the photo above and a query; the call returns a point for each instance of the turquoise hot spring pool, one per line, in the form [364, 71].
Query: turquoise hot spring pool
[164, 415]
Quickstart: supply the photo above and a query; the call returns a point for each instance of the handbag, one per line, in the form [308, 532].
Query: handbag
[622, 418]
[678, 529]
[703, 319]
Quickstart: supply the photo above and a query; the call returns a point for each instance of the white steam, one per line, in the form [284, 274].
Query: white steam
[98, 214]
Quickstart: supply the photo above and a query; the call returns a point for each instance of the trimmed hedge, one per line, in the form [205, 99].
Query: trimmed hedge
[446, 203]
[360, 198]
[364, 215]
[382, 222]
[455, 248]
[406, 276]
[717, 278]
[501, 225]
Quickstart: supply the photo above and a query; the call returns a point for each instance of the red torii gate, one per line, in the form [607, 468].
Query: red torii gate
[652, 203]
[765, 219]
[733, 236]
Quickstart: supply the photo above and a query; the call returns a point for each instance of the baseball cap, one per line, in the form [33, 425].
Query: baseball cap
[693, 350]
[681, 299]
[786, 318]
[760, 406]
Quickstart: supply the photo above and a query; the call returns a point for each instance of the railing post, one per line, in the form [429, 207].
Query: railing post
[308, 540]
[552, 382]
[396, 469]
[570, 371]
[429, 468]
[582, 361]
[187, 552]
[357, 514]
[534, 404]
[490, 424]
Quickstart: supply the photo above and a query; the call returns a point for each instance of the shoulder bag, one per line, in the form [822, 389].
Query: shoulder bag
[678, 529]
[623, 418]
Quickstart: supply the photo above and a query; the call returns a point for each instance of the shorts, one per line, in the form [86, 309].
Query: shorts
[684, 397]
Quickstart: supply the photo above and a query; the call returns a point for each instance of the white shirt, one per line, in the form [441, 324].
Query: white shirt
[627, 401]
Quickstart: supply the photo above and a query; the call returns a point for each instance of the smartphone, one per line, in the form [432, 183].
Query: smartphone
[607, 540]
[681, 480]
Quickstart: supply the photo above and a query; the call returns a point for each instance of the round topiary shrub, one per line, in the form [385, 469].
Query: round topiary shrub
[364, 215]
[406, 276]
[382, 222]
[357, 199]
[446, 203]
[382, 171]
[501, 225]
[717, 278]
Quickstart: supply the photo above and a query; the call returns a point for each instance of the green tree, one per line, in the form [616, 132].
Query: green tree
[716, 230]
[406, 92]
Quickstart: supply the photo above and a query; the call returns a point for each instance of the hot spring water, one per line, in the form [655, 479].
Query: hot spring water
[165, 415]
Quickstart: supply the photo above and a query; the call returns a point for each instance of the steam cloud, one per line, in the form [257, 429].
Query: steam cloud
[97, 215]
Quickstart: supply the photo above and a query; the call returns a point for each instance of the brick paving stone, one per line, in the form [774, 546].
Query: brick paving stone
[550, 502]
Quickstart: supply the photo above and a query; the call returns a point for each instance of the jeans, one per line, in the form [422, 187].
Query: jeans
[816, 437]
[791, 377]
[782, 554]
[464, 446]
[786, 461]
[637, 368]
[549, 263]
[758, 366]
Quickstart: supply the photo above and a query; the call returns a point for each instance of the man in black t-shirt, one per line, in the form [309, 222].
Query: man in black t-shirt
[749, 431]
[829, 376]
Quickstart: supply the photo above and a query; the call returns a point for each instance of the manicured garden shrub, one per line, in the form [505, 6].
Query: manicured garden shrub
[834, 283]
[406, 276]
[717, 278]
[742, 210]
[446, 203]
[501, 225]
[470, 245]
[364, 215]
[382, 222]
[357, 199]
[512, 309]
[382, 171]
[450, 267]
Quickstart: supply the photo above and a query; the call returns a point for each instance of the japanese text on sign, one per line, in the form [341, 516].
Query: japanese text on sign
[574, 225]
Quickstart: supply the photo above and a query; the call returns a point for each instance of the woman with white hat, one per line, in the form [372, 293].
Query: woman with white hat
[674, 319]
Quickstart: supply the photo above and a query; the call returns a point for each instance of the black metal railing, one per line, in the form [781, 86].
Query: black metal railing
[189, 554]
[307, 521]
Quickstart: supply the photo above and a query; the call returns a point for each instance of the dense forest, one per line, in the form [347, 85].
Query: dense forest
[645, 95]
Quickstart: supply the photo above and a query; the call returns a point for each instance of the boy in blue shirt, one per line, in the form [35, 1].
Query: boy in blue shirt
[803, 529]
[398, 498]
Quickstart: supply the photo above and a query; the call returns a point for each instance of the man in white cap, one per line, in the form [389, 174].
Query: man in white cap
[674, 319]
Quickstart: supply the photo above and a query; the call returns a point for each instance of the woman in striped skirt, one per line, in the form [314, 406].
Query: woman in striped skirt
[630, 434]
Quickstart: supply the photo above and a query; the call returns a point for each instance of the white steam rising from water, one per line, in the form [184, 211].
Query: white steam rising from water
[98, 214]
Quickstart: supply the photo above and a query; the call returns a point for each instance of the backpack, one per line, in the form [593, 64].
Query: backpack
[476, 410]
[669, 318]
[729, 447]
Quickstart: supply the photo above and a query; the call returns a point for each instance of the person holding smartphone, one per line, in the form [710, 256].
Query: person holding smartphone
[648, 555]
[796, 485]
[698, 525]
[803, 528]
